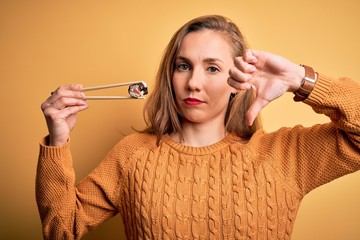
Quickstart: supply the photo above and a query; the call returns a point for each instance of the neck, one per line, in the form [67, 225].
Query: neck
[199, 135]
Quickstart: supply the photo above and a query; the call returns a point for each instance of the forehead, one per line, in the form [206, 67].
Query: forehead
[206, 42]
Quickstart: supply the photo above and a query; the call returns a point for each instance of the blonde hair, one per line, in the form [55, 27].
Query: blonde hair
[161, 113]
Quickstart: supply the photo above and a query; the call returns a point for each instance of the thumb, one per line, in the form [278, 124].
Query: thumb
[254, 110]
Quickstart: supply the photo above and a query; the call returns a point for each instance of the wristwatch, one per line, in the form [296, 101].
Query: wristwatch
[307, 84]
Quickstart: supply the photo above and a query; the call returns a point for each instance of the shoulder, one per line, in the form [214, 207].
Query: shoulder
[292, 139]
[265, 143]
[130, 146]
[135, 141]
[138, 136]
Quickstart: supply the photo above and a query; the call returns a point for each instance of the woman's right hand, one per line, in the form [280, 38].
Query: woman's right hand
[60, 111]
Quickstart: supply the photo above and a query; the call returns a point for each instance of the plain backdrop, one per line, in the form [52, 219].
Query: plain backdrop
[44, 44]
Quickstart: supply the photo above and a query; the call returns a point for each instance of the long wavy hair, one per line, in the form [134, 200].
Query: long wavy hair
[160, 111]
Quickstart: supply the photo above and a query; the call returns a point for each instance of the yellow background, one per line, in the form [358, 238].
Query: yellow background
[44, 44]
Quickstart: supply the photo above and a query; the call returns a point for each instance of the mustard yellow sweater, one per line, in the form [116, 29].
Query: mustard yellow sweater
[228, 190]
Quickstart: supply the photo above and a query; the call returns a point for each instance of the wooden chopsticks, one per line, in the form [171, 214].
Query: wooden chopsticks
[112, 86]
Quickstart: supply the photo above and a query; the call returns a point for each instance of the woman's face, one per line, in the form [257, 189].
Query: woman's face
[200, 77]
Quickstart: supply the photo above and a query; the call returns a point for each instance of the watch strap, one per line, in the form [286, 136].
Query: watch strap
[307, 84]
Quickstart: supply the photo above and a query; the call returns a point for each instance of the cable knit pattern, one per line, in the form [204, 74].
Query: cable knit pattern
[228, 190]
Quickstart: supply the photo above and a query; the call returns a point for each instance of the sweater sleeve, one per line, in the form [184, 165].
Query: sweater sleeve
[68, 211]
[313, 156]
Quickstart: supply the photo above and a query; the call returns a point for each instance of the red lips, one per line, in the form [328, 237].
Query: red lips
[192, 101]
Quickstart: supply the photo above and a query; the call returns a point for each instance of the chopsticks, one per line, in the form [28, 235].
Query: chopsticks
[110, 97]
[112, 86]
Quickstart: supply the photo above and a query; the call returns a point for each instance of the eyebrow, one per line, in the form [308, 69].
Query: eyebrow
[207, 60]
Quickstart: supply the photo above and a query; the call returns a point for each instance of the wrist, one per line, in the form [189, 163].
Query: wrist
[294, 77]
[52, 142]
[300, 75]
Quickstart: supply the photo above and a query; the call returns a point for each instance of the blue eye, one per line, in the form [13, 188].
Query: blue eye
[183, 67]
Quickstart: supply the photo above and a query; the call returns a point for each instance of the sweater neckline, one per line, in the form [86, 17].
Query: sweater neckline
[225, 142]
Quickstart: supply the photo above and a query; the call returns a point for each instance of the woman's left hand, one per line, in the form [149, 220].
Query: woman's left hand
[269, 75]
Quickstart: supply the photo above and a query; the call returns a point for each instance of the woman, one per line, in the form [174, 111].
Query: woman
[203, 168]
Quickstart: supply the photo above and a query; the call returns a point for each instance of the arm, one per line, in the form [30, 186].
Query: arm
[310, 156]
[66, 211]
[313, 156]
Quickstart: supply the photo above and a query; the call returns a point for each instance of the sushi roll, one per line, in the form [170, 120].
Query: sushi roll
[137, 90]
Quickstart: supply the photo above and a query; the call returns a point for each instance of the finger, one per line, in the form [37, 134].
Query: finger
[62, 103]
[65, 102]
[254, 110]
[73, 110]
[68, 91]
[239, 85]
[70, 87]
[244, 66]
[54, 115]
[250, 56]
[73, 87]
[72, 90]
[239, 75]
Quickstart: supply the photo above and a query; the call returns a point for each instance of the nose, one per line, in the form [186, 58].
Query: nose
[195, 80]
